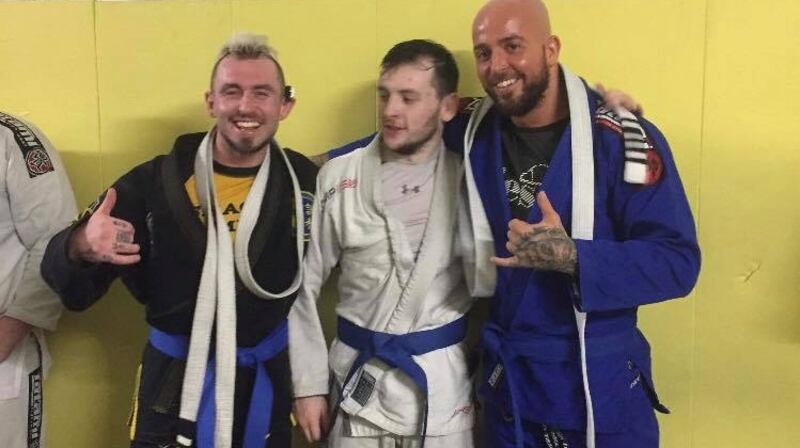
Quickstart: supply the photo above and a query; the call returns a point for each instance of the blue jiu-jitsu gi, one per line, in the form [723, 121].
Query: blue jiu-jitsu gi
[552, 339]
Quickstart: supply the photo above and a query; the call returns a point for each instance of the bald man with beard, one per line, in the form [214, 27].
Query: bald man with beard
[589, 220]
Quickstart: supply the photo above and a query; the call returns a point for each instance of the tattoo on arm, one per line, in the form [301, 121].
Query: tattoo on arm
[548, 249]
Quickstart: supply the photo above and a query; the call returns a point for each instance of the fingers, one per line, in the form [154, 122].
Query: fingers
[549, 214]
[517, 228]
[125, 248]
[601, 89]
[122, 260]
[108, 202]
[616, 99]
[509, 262]
[325, 421]
[311, 413]
[122, 226]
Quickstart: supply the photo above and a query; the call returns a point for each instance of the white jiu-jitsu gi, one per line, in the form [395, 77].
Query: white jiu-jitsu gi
[381, 288]
[36, 200]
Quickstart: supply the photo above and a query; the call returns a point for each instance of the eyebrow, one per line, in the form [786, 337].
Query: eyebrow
[512, 37]
[382, 89]
[503, 40]
[268, 87]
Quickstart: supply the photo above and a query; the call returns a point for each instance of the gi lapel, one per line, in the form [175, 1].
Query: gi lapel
[273, 200]
[475, 232]
[582, 208]
[173, 177]
[370, 187]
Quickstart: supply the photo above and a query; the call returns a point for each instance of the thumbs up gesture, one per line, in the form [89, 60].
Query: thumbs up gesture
[544, 246]
[103, 238]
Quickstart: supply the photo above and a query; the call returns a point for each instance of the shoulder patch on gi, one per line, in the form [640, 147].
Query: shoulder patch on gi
[34, 153]
[643, 165]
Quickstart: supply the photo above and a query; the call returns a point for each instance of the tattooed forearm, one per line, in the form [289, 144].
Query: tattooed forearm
[547, 249]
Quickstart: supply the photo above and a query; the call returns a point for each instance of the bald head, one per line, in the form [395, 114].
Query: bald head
[531, 14]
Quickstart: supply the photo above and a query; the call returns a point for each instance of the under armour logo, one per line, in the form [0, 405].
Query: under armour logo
[407, 190]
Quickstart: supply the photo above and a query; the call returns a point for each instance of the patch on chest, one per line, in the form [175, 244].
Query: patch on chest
[344, 184]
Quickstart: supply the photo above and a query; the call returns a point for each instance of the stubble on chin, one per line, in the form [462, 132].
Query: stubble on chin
[245, 148]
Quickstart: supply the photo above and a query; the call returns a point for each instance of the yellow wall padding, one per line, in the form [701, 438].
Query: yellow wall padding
[113, 83]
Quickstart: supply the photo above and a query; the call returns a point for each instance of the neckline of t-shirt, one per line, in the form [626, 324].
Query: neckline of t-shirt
[235, 171]
[562, 123]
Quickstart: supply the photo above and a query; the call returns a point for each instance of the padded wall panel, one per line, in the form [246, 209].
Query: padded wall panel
[748, 332]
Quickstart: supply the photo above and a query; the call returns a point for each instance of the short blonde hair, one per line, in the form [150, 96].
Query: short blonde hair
[245, 45]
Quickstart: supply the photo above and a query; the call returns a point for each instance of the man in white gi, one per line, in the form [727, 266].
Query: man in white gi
[386, 214]
[35, 201]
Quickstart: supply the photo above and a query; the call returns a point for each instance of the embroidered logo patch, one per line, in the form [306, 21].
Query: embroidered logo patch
[35, 402]
[364, 388]
[308, 202]
[497, 373]
[553, 438]
[345, 184]
[37, 161]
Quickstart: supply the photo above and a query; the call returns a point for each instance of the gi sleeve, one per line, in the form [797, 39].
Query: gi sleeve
[654, 255]
[308, 354]
[41, 202]
[80, 284]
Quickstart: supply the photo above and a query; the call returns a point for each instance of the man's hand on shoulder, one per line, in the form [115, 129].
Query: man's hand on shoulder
[103, 238]
[544, 246]
[615, 99]
[312, 416]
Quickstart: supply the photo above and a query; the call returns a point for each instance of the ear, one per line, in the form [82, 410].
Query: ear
[210, 103]
[449, 107]
[286, 107]
[552, 48]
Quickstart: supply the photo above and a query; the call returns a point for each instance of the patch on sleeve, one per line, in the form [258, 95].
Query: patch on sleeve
[35, 402]
[37, 161]
[643, 165]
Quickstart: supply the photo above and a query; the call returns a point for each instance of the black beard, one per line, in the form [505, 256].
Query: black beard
[532, 95]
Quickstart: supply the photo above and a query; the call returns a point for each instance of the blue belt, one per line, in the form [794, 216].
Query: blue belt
[260, 412]
[396, 350]
[506, 347]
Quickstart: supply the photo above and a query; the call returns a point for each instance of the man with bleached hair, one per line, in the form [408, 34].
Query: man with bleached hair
[210, 238]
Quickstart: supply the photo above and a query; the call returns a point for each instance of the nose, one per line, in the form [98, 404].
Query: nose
[391, 106]
[498, 62]
[247, 102]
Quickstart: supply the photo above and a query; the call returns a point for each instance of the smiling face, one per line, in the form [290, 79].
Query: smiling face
[515, 56]
[247, 101]
[412, 114]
